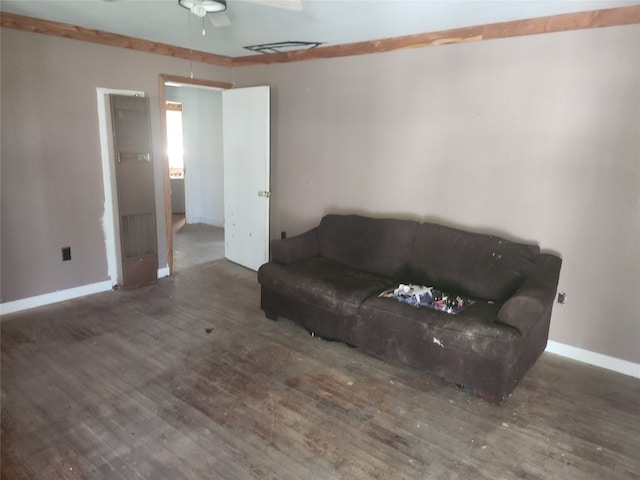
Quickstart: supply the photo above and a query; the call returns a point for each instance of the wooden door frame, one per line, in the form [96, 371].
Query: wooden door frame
[162, 95]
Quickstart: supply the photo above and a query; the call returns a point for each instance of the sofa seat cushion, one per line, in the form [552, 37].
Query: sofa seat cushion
[476, 322]
[466, 348]
[473, 264]
[375, 245]
[323, 283]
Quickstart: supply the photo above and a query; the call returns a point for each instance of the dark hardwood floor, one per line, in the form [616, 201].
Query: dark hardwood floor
[186, 379]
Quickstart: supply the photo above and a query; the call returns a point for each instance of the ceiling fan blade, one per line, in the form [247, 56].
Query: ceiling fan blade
[295, 5]
[220, 19]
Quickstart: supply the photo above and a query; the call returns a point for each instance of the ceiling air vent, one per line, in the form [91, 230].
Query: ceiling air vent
[279, 47]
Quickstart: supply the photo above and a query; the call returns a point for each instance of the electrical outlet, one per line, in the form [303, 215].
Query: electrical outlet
[66, 254]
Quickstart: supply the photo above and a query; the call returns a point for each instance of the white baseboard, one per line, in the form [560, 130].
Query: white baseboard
[592, 358]
[53, 297]
[62, 295]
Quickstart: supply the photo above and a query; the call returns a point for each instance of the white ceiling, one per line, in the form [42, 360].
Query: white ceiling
[331, 22]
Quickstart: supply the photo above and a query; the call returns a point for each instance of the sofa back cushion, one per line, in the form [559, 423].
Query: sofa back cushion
[474, 264]
[379, 246]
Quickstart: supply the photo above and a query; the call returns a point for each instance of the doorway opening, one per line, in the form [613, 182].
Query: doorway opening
[192, 133]
[242, 160]
[194, 243]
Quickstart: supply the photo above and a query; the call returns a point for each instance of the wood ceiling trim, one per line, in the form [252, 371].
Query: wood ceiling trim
[556, 23]
[561, 23]
[362, 48]
[46, 27]
[195, 81]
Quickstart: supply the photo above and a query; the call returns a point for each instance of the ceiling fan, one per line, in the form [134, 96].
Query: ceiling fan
[216, 8]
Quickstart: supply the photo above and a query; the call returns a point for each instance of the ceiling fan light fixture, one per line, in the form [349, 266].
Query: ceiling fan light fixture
[202, 7]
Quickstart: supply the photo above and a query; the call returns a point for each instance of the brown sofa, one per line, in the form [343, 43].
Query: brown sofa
[329, 279]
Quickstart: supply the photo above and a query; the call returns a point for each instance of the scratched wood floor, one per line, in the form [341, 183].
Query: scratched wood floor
[186, 379]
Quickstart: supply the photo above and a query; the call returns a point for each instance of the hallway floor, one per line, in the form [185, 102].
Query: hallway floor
[195, 244]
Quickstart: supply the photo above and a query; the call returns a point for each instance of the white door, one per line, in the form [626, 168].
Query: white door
[245, 120]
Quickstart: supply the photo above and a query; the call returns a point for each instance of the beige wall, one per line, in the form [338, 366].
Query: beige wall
[52, 192]
[536, 138]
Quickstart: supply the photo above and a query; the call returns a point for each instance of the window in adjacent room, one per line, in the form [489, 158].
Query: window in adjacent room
[175, 150]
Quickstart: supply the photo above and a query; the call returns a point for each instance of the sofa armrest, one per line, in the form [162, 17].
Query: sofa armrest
[289, 250]
[534, 297]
